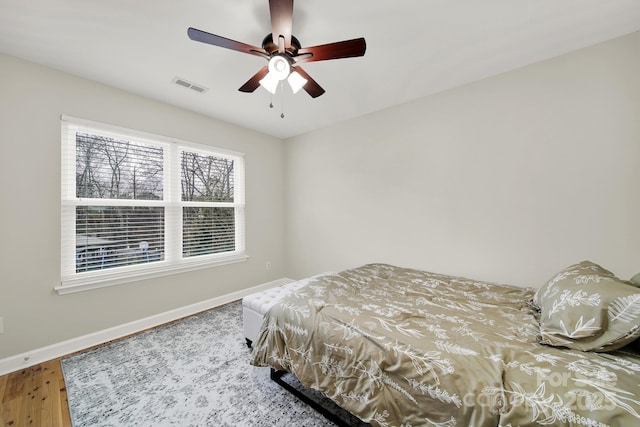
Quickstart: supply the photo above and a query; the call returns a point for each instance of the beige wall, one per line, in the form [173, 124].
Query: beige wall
[32, 98]
[508, 179]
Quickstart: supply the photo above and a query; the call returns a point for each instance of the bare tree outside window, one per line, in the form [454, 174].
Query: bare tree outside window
[113, 236]
[108, 168]
[206, 229]
[206, 178]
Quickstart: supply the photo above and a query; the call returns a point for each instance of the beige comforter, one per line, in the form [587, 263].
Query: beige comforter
[403, 347]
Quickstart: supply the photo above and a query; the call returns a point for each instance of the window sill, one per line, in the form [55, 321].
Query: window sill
[80, 284]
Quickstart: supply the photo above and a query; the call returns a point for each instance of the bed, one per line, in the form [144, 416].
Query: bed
[404, 347]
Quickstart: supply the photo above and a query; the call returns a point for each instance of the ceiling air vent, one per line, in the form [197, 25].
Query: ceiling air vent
[189, 85]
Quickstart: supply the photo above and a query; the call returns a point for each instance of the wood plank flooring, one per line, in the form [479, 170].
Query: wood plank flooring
[35, 396]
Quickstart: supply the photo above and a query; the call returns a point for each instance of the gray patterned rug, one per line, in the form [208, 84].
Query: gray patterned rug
[193, 372]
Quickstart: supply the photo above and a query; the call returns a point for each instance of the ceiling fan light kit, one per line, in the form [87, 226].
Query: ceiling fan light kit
[279, 67]
[284, 53]
[270, 83]
[296, 81]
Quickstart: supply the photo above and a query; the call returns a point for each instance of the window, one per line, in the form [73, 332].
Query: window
[136, 205]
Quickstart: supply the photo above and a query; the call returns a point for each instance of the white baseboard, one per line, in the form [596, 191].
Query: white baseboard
[43, 354]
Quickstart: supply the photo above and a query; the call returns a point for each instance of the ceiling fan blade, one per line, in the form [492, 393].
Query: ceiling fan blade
[254, 82]
[337, 50]
[204, 37]
[281, 21]
[312, 87]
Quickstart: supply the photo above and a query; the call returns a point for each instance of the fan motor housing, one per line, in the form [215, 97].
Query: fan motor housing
[271, 47]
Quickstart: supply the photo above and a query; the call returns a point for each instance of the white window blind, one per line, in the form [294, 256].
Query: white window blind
[136, 205]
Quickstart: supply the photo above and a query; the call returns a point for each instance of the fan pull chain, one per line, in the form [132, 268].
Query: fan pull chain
[281, 90]
[281, 99]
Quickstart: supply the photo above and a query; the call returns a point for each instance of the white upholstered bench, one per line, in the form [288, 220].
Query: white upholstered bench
[255, 306]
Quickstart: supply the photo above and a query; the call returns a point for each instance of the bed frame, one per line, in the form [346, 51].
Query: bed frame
[277, 377]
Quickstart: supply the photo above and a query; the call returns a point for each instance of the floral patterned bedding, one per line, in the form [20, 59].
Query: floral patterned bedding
[407, 348]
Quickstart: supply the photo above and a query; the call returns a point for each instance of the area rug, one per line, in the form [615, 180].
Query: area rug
[193, 372]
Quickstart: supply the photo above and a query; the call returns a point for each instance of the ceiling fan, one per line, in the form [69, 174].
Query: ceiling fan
[284, 52]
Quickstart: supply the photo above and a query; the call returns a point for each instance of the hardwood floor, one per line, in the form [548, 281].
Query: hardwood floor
[34, 396]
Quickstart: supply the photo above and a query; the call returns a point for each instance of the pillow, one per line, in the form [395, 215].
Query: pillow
[586, 307]
[635, 280]
[549, 289]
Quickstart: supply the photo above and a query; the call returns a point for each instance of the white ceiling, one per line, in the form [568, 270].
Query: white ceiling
[414, 48]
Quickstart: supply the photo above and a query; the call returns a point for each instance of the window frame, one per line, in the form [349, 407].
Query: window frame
[173, 262]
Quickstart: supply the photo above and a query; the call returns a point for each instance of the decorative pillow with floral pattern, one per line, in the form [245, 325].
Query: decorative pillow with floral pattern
[586, 307]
